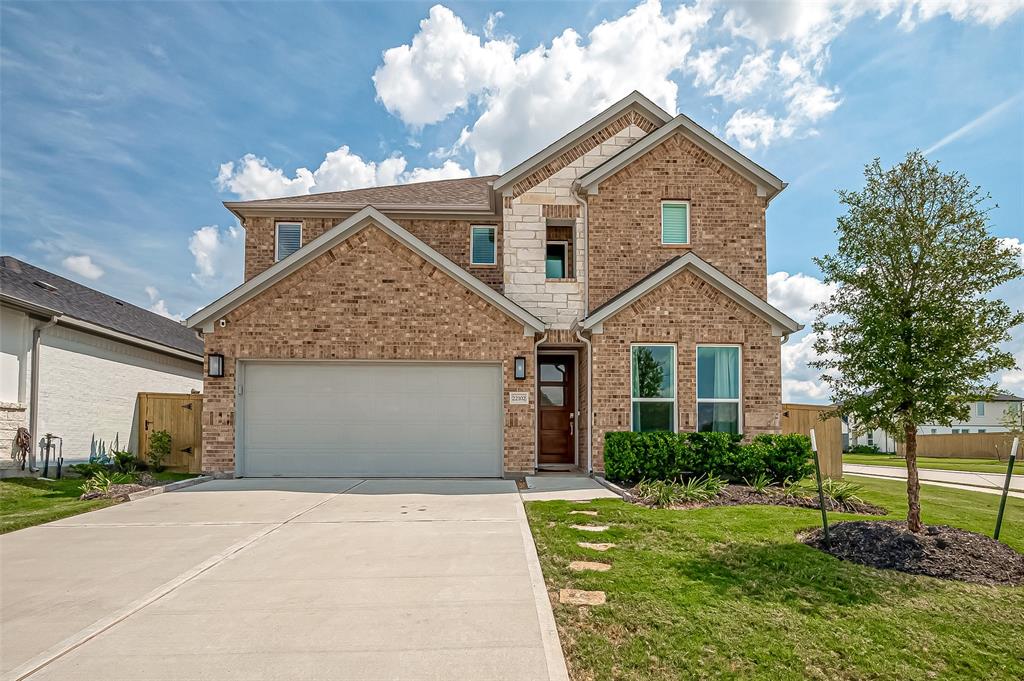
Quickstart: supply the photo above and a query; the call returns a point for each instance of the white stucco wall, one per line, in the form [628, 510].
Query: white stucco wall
[88, 388]
[558, 303]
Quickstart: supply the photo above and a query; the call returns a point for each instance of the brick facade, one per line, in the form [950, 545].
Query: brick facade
[450, 238]
[727, 220]
[686, 311]
[368, 298]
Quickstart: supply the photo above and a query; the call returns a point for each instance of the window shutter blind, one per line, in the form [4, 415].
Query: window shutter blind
[289, 240]
[673, 223]
[483, 246]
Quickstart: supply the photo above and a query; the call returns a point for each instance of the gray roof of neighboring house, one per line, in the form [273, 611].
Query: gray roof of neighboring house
[1006, 397]
[458, 193]
[18, 282]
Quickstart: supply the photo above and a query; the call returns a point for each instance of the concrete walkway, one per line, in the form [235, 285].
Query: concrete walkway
[283, 579]
[991, 483]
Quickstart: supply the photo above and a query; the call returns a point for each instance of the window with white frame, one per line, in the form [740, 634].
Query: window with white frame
[981, 408]
[482, 246]
[653, 378]
[718, 389]
[675, 223]
[288, 239]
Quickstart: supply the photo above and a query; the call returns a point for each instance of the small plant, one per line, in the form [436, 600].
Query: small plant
[841, 491]
[159, 449]
[669, 492]
[101, 482]
[760, 483]
[124, 462]
[87, 470]
[792, 489]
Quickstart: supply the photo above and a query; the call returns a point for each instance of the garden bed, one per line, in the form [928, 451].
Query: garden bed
[741, 495]
[940, 551]
[142, 481]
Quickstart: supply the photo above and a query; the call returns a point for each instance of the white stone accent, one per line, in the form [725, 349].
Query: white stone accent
[558, 303]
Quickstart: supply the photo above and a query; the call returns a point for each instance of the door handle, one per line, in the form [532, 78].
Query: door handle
[147, 424]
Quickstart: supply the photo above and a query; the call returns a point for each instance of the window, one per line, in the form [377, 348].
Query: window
[556, 260]
[871, 439]
[718, 389]
[482, 246]
[934, 430]
[981, 408]
[653, 372]
[981, 430]
[288, 239]
[675, 222]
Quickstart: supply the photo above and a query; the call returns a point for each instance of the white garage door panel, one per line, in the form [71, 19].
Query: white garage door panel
[370, 420]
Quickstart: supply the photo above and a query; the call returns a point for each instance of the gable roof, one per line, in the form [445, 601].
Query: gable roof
[343, 230]
[782, 324]
[471, 194]
[95, 311]
[768, 184]
[634, 100]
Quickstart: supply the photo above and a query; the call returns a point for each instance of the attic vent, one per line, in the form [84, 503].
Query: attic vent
[47, 287]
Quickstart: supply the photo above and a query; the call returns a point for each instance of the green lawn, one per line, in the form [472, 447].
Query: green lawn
[728, 593]
[976, 465]
[25, 502]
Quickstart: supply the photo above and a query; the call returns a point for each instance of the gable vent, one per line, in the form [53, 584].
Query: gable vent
[289, 238]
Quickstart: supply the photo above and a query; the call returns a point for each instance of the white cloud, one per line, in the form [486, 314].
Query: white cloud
[218, 255]
[492, 22]
[159, 306]
[527, 100]
[254, 178]
[796, 294]
[981, 120]
[522, 100]
[83, 266]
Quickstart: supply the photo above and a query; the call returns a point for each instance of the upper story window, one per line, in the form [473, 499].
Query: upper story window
[675, 223]
[653, 373]
[288, 239]
[718, 389]
[555, 264]
[482, 246]
[981, 408]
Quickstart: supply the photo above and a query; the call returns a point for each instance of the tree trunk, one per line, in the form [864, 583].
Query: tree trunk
[913, 482]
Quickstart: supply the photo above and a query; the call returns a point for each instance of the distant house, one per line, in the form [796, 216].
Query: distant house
[72, 361]
[986, 417]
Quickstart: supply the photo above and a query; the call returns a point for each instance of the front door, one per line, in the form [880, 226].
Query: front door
[556, 399]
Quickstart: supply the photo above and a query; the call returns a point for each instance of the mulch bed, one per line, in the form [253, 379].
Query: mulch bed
[741, 495]
[940, 551]
[121, 492]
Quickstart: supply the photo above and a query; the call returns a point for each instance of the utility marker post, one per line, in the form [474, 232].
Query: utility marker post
[1006, 487]
[821, 492]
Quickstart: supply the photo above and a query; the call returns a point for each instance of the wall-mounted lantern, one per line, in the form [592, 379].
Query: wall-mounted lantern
[215, 366]
[520, 369]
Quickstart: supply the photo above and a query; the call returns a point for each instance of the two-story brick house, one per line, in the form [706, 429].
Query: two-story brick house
[496, 325]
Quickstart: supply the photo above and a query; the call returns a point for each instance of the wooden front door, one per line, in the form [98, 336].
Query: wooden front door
[556, 400]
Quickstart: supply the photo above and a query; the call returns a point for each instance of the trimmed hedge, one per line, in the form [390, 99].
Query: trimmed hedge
[632, 457]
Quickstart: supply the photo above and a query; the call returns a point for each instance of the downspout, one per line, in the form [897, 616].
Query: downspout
[590, 402]
[33, 400]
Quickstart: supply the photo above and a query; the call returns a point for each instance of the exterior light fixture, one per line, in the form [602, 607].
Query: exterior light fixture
[215, 366]
[520, 368]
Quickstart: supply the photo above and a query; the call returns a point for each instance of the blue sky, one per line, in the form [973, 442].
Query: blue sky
[124, 125]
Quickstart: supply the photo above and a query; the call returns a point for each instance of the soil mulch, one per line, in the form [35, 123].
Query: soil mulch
[121, 492]
[741, 495]
[940, 551]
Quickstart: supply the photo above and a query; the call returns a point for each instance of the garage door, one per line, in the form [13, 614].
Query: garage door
[311, 419]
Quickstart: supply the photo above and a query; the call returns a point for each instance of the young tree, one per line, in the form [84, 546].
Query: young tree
[911, 336]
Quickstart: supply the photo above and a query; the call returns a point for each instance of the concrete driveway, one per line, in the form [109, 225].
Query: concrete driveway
[283, 579]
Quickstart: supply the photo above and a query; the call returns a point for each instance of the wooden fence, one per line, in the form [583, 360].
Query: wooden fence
[180, 415]
[800, 418]
[963, 446]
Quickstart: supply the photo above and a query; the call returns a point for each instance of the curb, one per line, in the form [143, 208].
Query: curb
[169, 487]
[613, 487]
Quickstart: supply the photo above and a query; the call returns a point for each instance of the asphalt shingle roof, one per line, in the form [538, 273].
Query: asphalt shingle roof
[469, 191]
[18, 280]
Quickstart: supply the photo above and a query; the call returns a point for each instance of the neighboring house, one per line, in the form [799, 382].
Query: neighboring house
[72, 360]
[496, 325]
[991, 416]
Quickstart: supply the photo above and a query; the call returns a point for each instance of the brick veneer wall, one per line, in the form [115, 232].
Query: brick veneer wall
[451, 238]
[727, 219]
[686, 311]
[368, 298]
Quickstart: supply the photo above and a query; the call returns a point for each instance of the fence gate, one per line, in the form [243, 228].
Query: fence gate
[181, 416]
[800, 418]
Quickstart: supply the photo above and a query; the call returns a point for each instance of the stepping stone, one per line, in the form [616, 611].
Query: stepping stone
[581, 565]
[577, 597]
[590, 528]
[582, 512]
[595, 547]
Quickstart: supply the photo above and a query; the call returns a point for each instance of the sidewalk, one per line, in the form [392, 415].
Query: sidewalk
[991, 483]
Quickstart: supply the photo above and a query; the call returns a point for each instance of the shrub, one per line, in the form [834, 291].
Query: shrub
[159, 448]
[87, 470]
[101, 482]
[124, 462]
[629, 457]
[863, 449]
